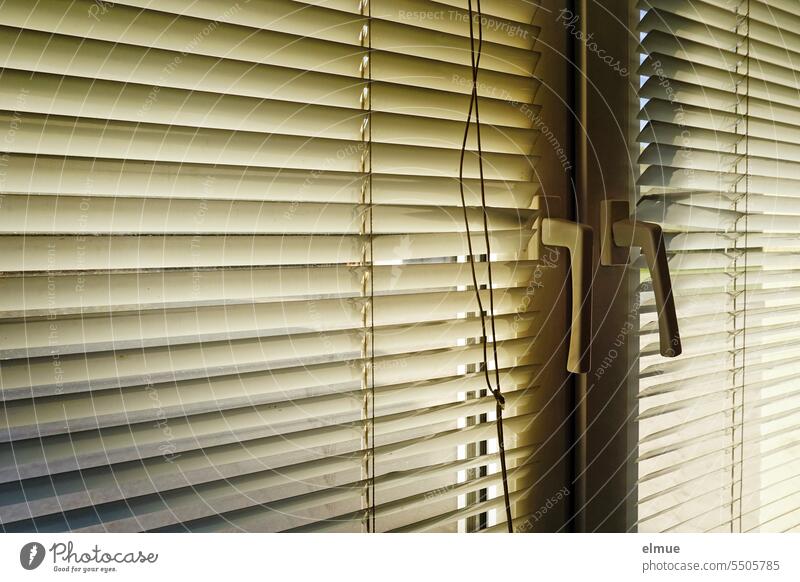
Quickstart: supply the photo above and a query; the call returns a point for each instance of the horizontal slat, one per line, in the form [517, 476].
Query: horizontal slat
[694, 416]
[449, 15]
[755, 250]
[754, 335]
[749, 259]
[27, 174]
[719, 103]
[715, 380]
[694, 491]
[680, 178]
[701, 520]
[724, 359]
[166, 363]
[702, 439]
[692, 218]
[695, 329]
[722, 160]
[270, 488]
[439, 521]
[30, 339]
[388, 513]
[703, 454]
[685, 284]
[762, 157]
[767, 18]
[709, 33]
[393, 369]
[88, 253]
[416, 11]
[167, 55]
[126, 140]
[704, 324]
[117, 291]
[754, 462]
[700, 75]
[699, 426]
[293, 393]
[56, 454]
[764, 120]
[699, 53]
[247, 460]
[719, 441]
[403, 510]
[756, 204]
[73, 215]
[91, 98]
[82, 57]
[311, 38]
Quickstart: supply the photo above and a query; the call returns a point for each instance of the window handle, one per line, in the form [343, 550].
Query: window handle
[578, 239]
[620, 232]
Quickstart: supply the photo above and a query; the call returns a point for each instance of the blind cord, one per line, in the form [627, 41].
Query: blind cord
[495, 391]
[371, 276]
[746, 255]
[365, 8]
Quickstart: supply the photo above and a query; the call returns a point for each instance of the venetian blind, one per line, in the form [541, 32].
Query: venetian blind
[720, 425]
[234, 294]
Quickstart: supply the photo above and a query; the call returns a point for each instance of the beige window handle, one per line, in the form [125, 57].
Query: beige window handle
[578, 239]
[620, 232]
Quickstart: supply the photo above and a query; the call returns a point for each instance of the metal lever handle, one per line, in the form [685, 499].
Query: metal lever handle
[649, 237]
[578, 239]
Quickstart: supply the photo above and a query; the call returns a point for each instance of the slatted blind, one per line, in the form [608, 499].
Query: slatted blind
[720, 425]
[234, 293]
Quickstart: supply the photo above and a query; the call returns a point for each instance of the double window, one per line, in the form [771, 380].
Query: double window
[266, 265]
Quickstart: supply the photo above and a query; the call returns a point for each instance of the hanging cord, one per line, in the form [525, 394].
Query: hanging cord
[495, 391]
[366, 136]
[746, 255]
[371, 275]
[371, 280]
